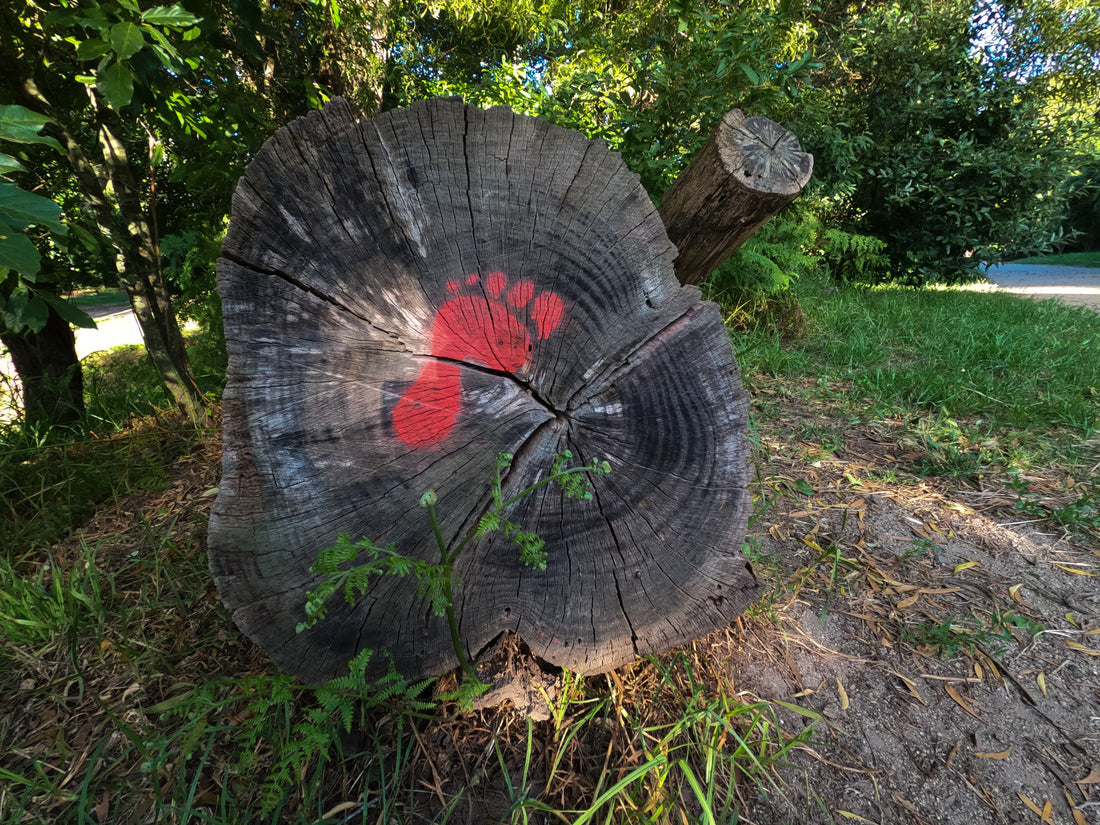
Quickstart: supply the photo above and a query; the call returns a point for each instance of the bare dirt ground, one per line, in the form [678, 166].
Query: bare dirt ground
[945, 647]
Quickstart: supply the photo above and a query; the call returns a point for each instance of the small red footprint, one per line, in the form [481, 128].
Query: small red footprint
[476, 328]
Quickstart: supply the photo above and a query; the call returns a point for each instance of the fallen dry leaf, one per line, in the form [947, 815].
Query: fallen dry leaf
[856, 817]
[1092, 779]
[1078, 816]
[954, 694]
[1044, 813]
[1088, 651]
[912, 687]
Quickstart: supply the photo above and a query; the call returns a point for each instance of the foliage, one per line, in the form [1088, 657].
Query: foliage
[437, 580]
[25, 296]
[855, 258]
[953, 160]
[784, 249]
[650, 80]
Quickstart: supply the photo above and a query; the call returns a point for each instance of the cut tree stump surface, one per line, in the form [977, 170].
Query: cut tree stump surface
[409, 296]
[749, 169]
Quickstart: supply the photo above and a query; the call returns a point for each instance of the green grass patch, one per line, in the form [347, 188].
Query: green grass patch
[51, 480]
[1088, 259]
[100, 298]
[969, 365]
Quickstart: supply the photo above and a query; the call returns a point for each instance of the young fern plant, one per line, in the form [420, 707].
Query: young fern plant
[350, 567]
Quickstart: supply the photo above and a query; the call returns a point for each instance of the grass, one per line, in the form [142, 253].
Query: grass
[979, 378]
[1087, 259]
[100, 298]
[139, 701]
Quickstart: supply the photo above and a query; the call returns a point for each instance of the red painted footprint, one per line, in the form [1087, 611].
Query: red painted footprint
[476, 328]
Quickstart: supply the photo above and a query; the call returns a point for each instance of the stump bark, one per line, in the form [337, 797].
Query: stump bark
[749, 169]
[409, 296]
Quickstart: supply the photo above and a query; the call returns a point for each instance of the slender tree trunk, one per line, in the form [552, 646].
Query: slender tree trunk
[749, 169]
[53, 384]
[141, 275]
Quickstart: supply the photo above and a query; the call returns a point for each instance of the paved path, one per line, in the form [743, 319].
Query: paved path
[1075, 285]
[115, 325]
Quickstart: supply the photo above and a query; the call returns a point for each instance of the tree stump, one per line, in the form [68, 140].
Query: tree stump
[409, 296]
[748, 170]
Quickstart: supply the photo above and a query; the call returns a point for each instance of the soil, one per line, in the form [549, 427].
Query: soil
[949, 644]
[942, 647]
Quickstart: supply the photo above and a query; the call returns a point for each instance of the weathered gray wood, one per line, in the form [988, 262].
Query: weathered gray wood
[407, 297]
[748, 170]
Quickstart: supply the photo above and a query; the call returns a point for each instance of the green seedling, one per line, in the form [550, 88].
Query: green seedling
[437, 581]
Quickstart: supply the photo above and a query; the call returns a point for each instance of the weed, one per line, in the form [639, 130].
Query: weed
[920, 549]
[297, 726]
[697, 745]
[437, 580]
[41, 613]
[1081, 514]
[952, 636]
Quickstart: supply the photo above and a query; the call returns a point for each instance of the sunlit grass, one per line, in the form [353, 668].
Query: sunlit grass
[982, 367]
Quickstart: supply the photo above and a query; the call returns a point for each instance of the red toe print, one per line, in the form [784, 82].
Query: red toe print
[479, 329]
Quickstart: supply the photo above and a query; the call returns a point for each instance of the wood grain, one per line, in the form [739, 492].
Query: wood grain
[405, 298]
[749, 169]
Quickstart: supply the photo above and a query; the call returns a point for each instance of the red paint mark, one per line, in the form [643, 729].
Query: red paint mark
[521, 294]
[547, 311]
[477, 329]
[496, 283]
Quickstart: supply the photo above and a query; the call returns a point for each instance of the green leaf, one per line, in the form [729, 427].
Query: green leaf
[8, 164]
[175, 16]
[116, 84]
[18, 206]
[35, 314]
[86, 238]
[70, 312]
[92, 49]
[791, 706]
[127, 40]
[750, 73]
[17, 252]
[21, 125]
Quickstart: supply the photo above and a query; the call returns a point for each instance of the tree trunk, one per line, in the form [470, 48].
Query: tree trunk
[140, 273]
[53, 384]
[407, 297]
[748, 170]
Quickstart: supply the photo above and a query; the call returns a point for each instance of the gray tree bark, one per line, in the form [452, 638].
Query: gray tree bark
[405, 298]
[749, 169]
